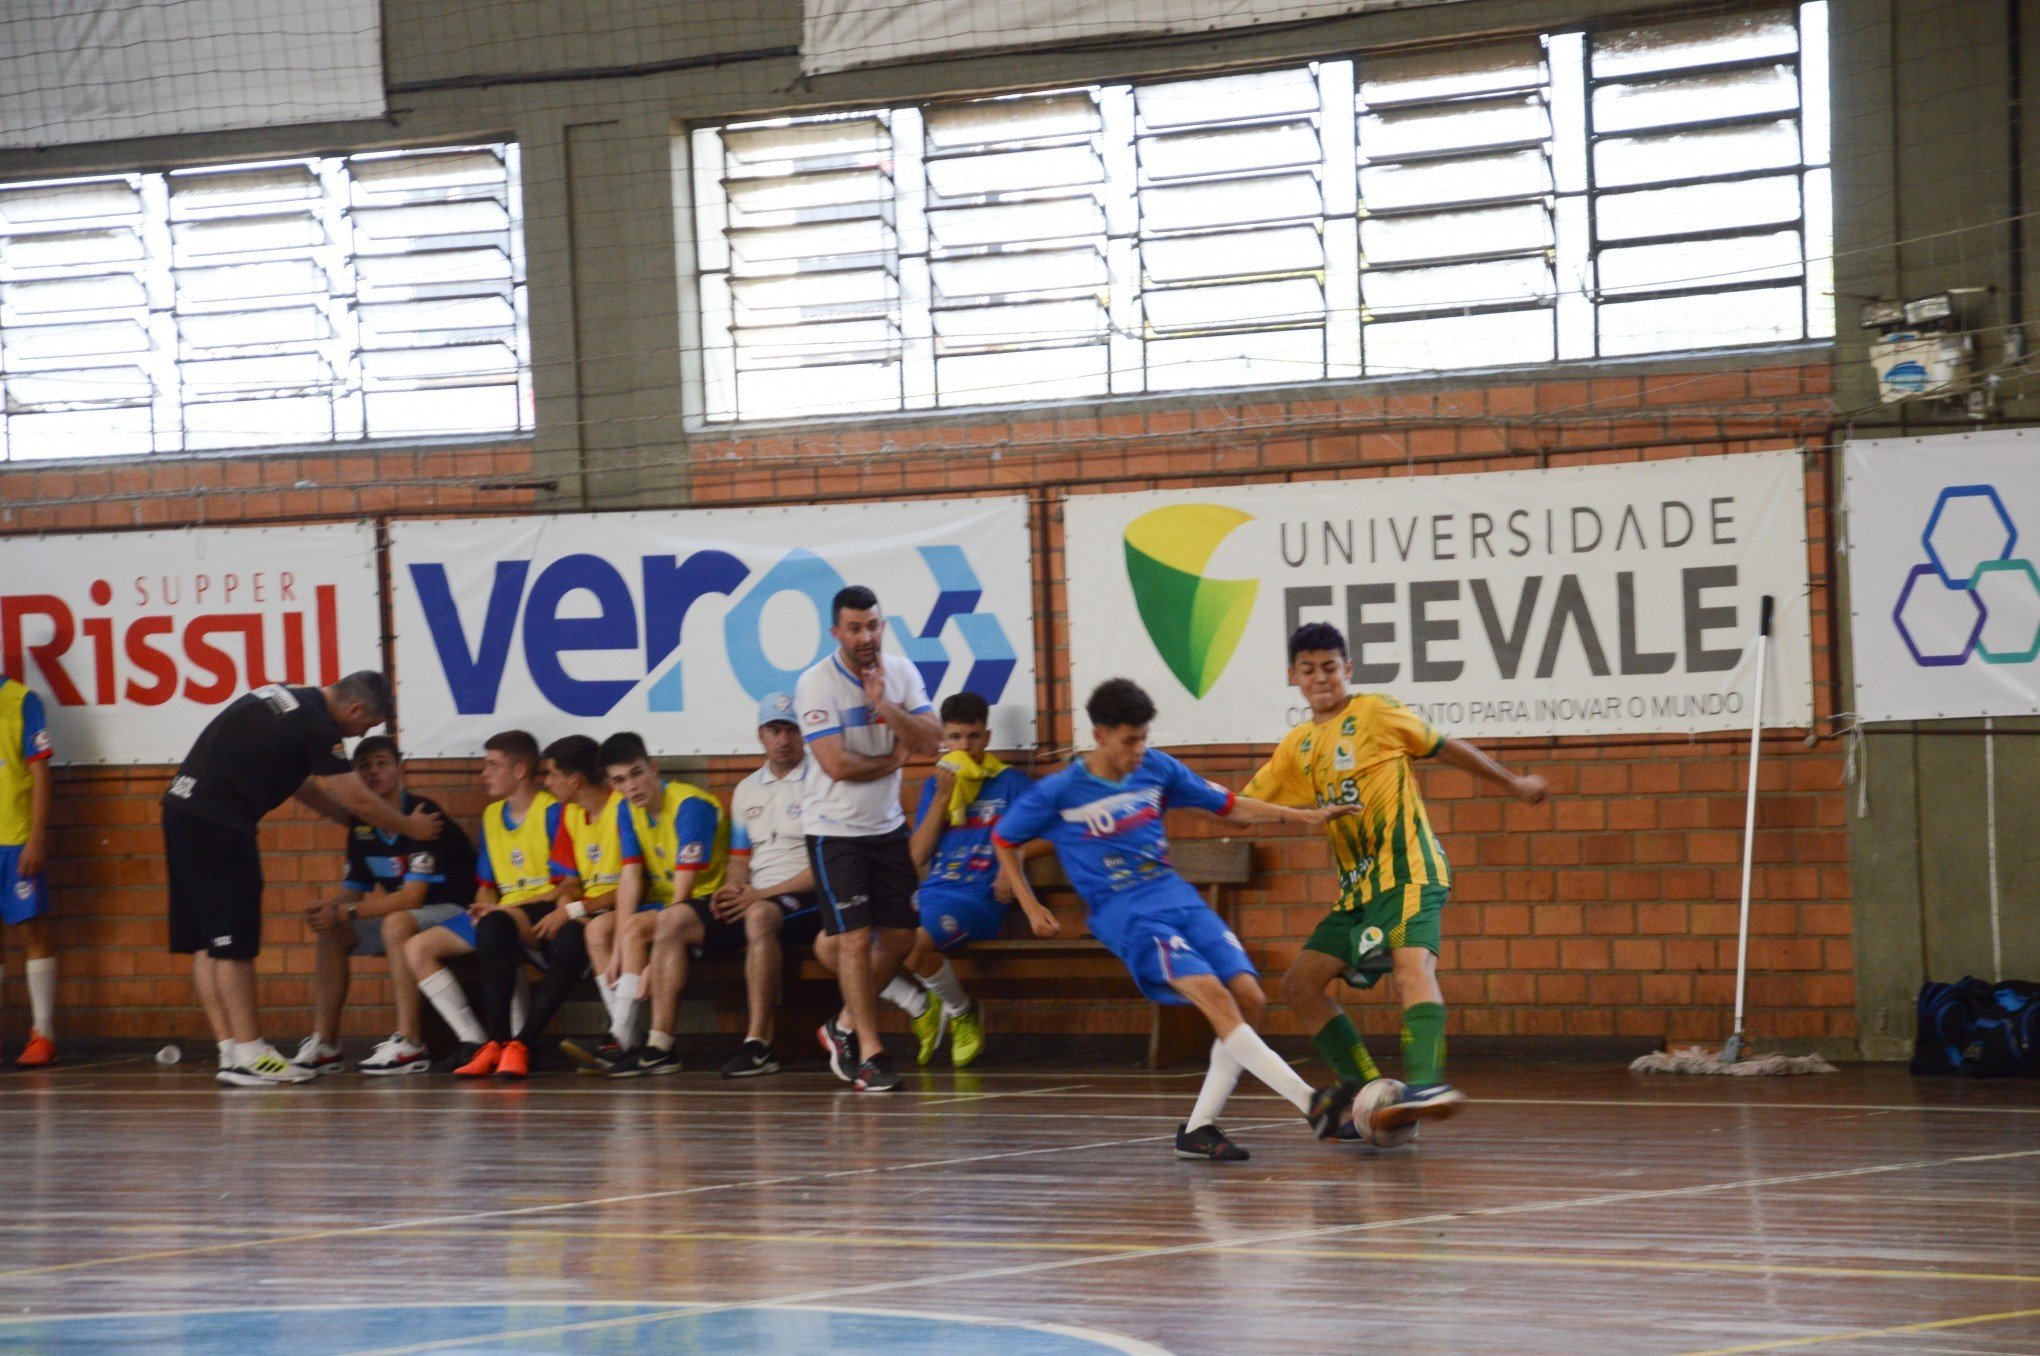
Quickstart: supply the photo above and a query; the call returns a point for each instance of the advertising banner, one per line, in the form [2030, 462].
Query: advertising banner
[1580, 601]
[136, 639]
[1944, 593]
[676, 624]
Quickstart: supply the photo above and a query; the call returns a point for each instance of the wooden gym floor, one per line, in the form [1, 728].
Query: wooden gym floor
[1570, 1210]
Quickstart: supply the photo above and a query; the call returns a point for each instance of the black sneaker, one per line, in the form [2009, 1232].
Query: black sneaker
[875, 1075]
[462, 1053]
[1328, 1106]
[752, 1058]
[1208, 1141]
[645, 1062]
[842, 1055]
[1348, 1130]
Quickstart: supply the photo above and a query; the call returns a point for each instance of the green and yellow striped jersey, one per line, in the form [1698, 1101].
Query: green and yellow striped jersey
[1361, 756]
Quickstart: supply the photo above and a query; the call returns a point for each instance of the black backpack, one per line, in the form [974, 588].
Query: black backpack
[1977, 1028]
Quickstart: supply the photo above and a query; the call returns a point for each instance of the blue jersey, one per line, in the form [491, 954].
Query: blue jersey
[1108, 835]
[963, 863]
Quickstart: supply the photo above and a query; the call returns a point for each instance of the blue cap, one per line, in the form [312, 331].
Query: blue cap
[775, 709]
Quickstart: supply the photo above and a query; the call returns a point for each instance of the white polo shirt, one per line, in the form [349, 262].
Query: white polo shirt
[830, 700]
[765, 825]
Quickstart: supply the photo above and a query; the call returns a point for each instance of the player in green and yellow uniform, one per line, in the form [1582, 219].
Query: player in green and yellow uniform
[1393, 876]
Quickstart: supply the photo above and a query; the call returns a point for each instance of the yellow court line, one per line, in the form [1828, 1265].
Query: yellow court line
[1786, 1344]
[1561, 1260]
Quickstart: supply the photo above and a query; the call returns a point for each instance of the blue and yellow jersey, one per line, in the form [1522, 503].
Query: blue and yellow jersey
[686, 830]
[595, 851]
[24, 739]
[517, 858]
[1362, 757]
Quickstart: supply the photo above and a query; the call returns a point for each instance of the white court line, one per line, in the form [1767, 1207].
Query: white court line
[995, 1096]
[1234, 1244]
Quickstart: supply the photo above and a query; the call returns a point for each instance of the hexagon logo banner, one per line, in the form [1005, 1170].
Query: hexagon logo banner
[1944, 588]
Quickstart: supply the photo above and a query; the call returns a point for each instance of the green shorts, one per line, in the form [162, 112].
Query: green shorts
[1362, 939]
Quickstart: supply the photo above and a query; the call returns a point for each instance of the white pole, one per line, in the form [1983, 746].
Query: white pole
[1997, 941]
[1749, 838]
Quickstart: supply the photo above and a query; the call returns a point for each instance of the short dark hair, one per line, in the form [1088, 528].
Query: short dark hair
[851, 598]
[624, 747]
[519, 746]
[371, 746]
[369, 688]
[576, 755]
[1316, 636]
[1119, 701]
[966, 708]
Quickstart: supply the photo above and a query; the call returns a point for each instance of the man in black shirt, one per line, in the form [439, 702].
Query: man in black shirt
[394, 888]
[267, 747]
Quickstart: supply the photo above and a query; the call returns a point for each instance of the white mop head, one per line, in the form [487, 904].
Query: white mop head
[1694, 1059]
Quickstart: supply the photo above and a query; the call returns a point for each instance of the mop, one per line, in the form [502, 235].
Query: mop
[1694, 1059]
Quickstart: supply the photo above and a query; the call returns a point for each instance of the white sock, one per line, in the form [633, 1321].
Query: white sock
[623, 1007]
[660, 1040]
[445, 992]
[1219, 1081]
[225, 1053]
[42, 994]
[1246, 1046]
[946, 986]
[905, 995]
[520, 1000]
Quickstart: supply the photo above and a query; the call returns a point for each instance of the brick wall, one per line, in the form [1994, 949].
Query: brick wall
[1608, 911]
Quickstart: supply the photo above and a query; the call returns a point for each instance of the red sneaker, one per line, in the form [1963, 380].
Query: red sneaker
[484, 1062]
[38, 1053]
[514, 1061]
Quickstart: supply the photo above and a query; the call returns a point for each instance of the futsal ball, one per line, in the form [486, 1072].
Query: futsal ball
[1374, 1096]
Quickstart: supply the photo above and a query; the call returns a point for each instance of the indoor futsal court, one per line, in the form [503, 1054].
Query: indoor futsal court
[1019, 677]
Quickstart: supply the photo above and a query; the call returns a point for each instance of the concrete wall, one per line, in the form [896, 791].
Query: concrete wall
[595, 92]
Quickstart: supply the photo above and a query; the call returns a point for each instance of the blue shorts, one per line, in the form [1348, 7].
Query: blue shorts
[1165, 931]
[21, 897]
[956, 917]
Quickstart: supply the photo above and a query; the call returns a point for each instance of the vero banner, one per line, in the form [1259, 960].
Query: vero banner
[1580, 601]
[675, 624]
[1944, 593]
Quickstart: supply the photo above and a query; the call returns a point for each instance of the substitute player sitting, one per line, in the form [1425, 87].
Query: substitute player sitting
[685, 841]
[513, 890]
[594, 859]
[1354, 753]
[1103, 814]
[395, 887]
[24, 838]
[962, 898]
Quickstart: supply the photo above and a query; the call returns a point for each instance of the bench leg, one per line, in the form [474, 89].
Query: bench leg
[1178, 1034]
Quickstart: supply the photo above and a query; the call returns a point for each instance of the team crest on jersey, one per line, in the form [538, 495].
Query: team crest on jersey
[517, 857]
[42, 741]
[1342, 758]
[424, 863]
[1349, 727]
[594, 852]
[692, 855]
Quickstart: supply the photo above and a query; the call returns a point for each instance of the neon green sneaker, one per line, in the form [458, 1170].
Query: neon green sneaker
[928, 1028]
[967, 1034]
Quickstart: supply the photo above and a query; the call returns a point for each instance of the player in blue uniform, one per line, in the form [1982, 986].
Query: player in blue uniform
[1103, 814]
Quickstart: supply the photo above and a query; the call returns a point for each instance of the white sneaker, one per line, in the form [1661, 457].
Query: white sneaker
[318, 1057]
[267, 1070]
[396, 1056]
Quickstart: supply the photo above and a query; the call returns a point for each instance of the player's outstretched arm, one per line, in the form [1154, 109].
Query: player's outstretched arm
[1013, 869]
[1458, 753]
[1247, 810]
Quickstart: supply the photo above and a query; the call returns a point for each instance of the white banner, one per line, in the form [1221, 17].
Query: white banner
[1944, 591]
[136, 639]
[1582, 601]
[107, 70]
[675, 625]
[839, 34]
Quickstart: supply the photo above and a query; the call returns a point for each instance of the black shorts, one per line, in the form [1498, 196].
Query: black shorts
[215, 887]
[801, 921]
[865, 882]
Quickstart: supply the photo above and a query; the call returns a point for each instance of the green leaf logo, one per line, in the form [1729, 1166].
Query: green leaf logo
[1195, 623]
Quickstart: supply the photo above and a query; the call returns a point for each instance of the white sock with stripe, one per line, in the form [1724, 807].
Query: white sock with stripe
[946, 986]
[1246, 1046]
[905, 995]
